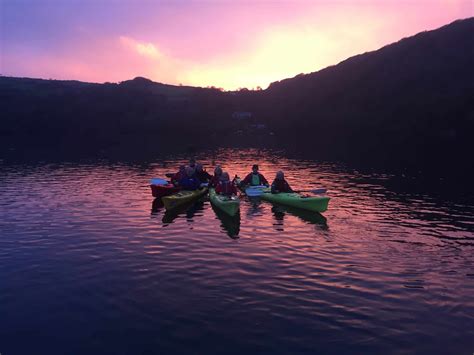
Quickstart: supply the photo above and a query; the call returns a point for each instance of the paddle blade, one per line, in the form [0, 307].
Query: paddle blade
[319, 191]
[158, 181]
[254, 191]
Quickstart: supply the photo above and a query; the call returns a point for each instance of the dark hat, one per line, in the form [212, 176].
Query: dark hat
[255, 166]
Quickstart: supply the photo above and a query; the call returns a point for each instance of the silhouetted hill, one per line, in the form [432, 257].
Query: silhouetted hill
[409, 104]
[65, 114]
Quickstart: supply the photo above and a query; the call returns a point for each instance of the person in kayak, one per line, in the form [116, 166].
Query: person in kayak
[280, 184]
[190, 181]
[217, 176]
[179, 175]
[225, 186]
[254, 178]
[202, 174]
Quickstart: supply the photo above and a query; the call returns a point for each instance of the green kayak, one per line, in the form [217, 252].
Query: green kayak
[310, 203]
[228, 204]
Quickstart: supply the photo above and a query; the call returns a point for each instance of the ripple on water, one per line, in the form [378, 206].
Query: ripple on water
[88, 257]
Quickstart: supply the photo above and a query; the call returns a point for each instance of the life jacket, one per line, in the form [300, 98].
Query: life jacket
[214, 181]
[226, 188]
[255, 180]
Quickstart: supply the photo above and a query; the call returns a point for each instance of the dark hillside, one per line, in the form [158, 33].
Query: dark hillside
[409, 100]
[409, 104]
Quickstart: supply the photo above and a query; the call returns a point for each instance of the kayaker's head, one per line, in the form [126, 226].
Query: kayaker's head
[218, 171]
[225, 176]
[192, 162]
[255, 169]
[189, 171]
[280, 175]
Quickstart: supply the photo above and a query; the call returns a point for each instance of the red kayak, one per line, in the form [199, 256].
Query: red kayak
[163, 190]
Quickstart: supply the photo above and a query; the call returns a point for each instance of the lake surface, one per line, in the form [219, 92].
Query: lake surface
[91, 264]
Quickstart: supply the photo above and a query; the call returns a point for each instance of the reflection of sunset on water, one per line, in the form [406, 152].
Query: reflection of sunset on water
[372, 259]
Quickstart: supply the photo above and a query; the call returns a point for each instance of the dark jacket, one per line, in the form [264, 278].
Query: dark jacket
[203, 176]
[280, 186]
[190, 183]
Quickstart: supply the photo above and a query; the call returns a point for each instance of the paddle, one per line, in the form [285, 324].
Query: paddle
[257, 187]
[319, 191]
[169, 175]
[255, 191]
[158, 181]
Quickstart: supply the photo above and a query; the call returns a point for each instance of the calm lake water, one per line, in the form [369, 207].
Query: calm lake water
[90, 264]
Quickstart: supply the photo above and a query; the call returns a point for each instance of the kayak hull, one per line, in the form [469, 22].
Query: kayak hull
[159, 191]
[229, 205]
[182, 197]
[310, 203]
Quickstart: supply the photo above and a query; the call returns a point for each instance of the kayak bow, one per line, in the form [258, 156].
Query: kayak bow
[310, 203]
[228, 204]
[159, 191]
[182, 197]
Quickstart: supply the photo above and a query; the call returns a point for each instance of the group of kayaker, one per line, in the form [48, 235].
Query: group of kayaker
[255, 178]
[192, 182]
[191, 177]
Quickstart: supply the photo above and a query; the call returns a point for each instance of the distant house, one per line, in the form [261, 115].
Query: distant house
[241, 115]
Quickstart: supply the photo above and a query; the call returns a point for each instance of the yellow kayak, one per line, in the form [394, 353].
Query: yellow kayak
[182, 197]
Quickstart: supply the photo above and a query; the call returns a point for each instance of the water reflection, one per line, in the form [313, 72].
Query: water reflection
[279, 212]
[255, 206]
[231, 224]
[188, 211]
[156, 206]
[87, 243]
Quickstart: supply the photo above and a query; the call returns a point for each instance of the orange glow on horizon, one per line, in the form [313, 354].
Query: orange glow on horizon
[229, 45]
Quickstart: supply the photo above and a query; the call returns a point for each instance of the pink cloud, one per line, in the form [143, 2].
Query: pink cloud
[142, 48]
[232, 44]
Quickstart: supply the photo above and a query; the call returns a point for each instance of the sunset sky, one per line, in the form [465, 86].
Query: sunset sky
[223, 43]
